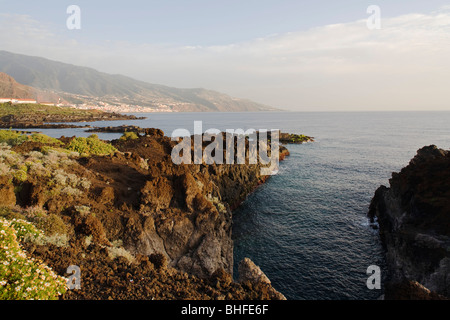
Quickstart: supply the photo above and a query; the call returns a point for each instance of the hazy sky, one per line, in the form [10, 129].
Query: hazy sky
[296, 55]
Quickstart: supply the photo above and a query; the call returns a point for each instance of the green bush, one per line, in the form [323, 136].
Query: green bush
[42, 138]
[52, 224]
[129, 136]
[25, 230]
[20, 176]
[9, 213]
[91, 145]
[12, 138]
[22, 277]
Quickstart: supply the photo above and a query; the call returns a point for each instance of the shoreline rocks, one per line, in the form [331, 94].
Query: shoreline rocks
[414, 221]
[55, 118]
[137, 209]
[251, 273]
[291, 138]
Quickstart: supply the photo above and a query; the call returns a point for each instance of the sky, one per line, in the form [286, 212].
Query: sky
[298, 55]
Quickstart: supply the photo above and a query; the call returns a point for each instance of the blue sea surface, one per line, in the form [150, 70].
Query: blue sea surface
[306, 228]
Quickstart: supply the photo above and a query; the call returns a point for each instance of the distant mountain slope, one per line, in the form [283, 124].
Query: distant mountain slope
[9, 88]
[61, 77]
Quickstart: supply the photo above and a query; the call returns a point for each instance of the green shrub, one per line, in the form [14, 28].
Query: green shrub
[12, 138]
[22, 277]
[10, 213]
[42, 138]
[91, 145]
[52, 224]
[20, 175]
[25, 230]
[130, 135]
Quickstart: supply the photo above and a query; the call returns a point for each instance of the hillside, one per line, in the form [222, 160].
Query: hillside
[81, 84]
[9, 88]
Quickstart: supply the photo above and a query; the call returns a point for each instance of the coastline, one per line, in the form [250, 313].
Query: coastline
[174, 220]
[27, 116]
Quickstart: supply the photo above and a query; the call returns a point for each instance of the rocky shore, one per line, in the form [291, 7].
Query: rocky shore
[118, 129]
[137, 225]
[29, 116]
[414, 222]
[291, 138]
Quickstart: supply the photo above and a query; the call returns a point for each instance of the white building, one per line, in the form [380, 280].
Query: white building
[17, 101]
[21, 101]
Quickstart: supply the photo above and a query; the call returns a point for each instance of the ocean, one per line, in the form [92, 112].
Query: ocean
[306, 227]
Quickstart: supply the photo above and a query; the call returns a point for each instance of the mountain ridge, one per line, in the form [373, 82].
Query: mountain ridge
[10, 88]
[83, 84]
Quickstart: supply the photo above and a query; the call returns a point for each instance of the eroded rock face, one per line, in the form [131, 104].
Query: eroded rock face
[184, 211]
[251, 273]
[414, 221]
[7, 195]
[248, 271]
[139, 201]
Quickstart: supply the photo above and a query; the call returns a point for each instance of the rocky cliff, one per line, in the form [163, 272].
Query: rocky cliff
[414, 221]
[184, 211]
[173, 221]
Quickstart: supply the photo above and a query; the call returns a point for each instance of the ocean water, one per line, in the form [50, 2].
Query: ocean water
[307, 227]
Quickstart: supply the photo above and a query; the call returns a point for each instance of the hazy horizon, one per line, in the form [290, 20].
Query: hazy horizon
[292, 55]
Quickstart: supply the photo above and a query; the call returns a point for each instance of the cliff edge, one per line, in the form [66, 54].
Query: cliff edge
[414, 221]
[137, 225]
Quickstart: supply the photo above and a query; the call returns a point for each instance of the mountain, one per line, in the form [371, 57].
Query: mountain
[10, 88]
[83, 85]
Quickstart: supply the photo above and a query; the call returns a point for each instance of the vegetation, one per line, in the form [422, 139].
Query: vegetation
[14, 138]
[51, 166]
[22, 277]
[129, 135]
[117, 250]
[42, 110]
[294, 138]
[42, 138]
[90, 146]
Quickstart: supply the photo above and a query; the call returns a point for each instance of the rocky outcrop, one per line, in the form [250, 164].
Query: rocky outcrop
[135, 203]
[184, 211]
[291, 138]
[251, 273]
[248, 271]
[413, 215]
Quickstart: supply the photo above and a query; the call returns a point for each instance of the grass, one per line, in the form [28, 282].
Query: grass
[42, 110]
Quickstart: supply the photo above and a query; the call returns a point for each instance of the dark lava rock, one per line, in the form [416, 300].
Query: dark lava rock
[414, 220]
